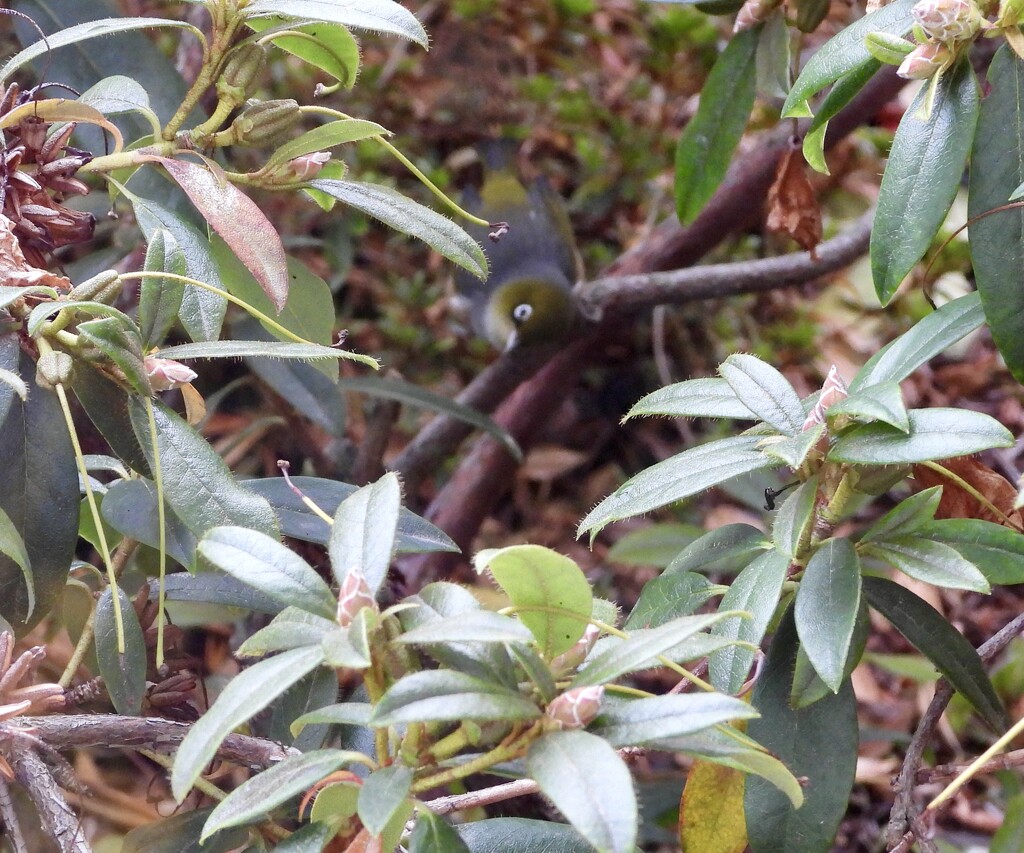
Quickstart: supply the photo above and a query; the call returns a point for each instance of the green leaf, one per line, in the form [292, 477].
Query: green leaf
[106, 404]
[845, 89]
[643, 648]
[882, 401]
[38, 493]
[264, 563]
[907, 516]
[765, 391]
[588, 783]
[433, 834]
[725, 549]
[13, 546]
[117, 94]
[793, 450]
[1009, 838]
[332, 49]
[997, 242]
[481, 626]
[695, 398]
[363, 535]
[327, 136]
[929, 632]
[342, 714]
[443, 695]
[657, 545]
[845, 53]
[197, 484]
[82, 32]
[264, 792]
[311, 838]
[997, 550]
[415, 535]
[383, 16]
[646, 721]
[246, 695]
[931, 562]
[120, 342]
[202, 312]
[818, 742]
[309, 311]
[710, 137]
[922, 176]
[755, 590]
[680, 476]
[123, 674]
[549, 592]
[160, 298]
[524, 835]
[826, 608]
[383, 793]
[180, 834]
[217, 589]
[794, 517]
[926, 339]
[446, 604]
[774, 57]
[291, 628]
[667, 597]
[808, 687]
[934, 434]
[390, 388]
[405, 215]
[266, 349]
[130, 507]
[740, 753]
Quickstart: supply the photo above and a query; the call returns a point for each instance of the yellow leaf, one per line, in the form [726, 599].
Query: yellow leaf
[711, 810]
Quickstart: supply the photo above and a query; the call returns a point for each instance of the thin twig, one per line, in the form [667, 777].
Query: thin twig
[941, 772]
[904, 811]
[486, 797]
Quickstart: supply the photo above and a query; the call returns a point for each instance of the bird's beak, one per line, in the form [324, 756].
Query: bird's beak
[512, 342]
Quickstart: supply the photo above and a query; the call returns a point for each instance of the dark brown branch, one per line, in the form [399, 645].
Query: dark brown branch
[940, 773]
[715, 281]
[904, 812]
[83, 731]
[9, 814]
[57, 817]
[438, 439]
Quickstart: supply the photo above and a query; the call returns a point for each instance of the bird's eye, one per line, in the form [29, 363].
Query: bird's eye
[521, 313]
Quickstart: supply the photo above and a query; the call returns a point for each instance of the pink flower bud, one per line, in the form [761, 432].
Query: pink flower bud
[571, 659]
[308, 166]
[948, 20]
[924, 61]
[353, 596]
[575, 708]
[165, 373]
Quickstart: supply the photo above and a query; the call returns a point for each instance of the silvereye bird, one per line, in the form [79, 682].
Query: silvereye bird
[527, 298]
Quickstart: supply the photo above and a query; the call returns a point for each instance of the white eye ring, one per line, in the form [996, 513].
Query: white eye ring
[522, 312]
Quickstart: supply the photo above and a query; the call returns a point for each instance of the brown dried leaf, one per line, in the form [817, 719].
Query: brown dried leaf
[15, 271]
[957, 503]
[792, 204]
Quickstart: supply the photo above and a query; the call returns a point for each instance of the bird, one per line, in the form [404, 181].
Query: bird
[532, 258]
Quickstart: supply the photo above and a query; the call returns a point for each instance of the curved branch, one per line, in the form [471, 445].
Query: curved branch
[81, 731]
[714, 281]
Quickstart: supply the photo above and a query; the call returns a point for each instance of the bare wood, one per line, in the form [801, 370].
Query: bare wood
[83, 731]
[57, 817]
